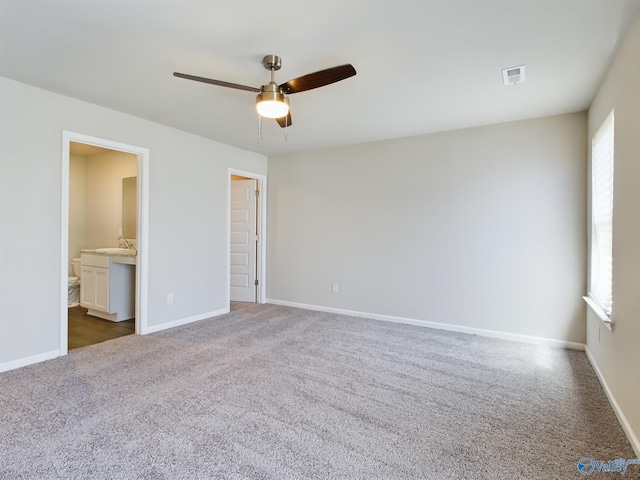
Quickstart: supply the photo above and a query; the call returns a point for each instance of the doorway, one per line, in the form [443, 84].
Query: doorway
[77, 144]
[247, 222]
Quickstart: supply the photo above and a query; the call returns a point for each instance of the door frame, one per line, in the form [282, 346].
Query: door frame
[261, 220]
[142, 230]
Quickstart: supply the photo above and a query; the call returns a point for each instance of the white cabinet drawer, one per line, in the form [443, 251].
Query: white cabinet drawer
[95, 260]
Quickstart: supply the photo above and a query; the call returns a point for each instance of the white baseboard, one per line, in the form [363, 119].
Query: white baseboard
[631, 436]
[437, 325]
[184, 321]
[23, 362]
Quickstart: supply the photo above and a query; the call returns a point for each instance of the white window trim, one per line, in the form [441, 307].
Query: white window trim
[599, 312]
[606, 196]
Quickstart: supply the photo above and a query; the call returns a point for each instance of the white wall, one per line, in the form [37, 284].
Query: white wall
[616, 354]
[482, 228]
[77, 173]
[104, 174]
[188, 253]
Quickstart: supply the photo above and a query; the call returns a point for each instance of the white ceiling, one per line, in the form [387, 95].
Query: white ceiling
[423, 66]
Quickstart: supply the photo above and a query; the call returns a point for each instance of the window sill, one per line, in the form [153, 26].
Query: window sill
[600, 313]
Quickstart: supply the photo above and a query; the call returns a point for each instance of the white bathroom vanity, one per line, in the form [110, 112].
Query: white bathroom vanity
[108, 283]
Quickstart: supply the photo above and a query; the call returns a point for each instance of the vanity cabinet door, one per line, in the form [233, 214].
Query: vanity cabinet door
[87, 287]
[94, 288]
[101, 279]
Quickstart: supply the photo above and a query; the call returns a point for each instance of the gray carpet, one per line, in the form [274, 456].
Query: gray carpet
[269, 392]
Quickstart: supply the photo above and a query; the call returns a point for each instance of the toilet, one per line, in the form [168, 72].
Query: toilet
[74, 284]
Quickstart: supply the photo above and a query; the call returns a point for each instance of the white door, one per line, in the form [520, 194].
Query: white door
[243, 240]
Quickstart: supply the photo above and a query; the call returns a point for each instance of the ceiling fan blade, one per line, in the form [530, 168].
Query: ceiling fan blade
[284, 121]
[216, 82]
[318, 79]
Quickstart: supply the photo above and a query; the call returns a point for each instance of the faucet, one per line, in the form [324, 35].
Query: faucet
[123, 241]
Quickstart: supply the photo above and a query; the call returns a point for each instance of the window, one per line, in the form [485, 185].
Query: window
[601, 282]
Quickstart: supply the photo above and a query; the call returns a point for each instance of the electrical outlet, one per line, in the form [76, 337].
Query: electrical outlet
[335, 288]
[169, 297]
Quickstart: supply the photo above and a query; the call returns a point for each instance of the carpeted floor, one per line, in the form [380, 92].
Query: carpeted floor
[270, 392]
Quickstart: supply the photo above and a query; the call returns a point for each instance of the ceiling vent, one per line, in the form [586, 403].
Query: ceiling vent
[513, 75]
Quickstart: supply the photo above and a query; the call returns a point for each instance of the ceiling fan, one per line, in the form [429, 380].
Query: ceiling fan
[272, 100]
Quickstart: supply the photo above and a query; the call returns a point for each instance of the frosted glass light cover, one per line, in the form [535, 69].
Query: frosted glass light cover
[272, 109]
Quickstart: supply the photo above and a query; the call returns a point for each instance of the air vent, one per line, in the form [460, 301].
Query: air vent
[513, 75]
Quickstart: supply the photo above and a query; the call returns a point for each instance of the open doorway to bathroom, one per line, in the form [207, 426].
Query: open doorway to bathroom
[100, 203]
[103, 261]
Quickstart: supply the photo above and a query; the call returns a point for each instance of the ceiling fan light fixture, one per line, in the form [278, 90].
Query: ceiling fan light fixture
[271, 103]
[272, 100]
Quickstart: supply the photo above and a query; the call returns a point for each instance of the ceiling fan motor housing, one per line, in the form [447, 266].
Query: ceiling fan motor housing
[272, 62]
